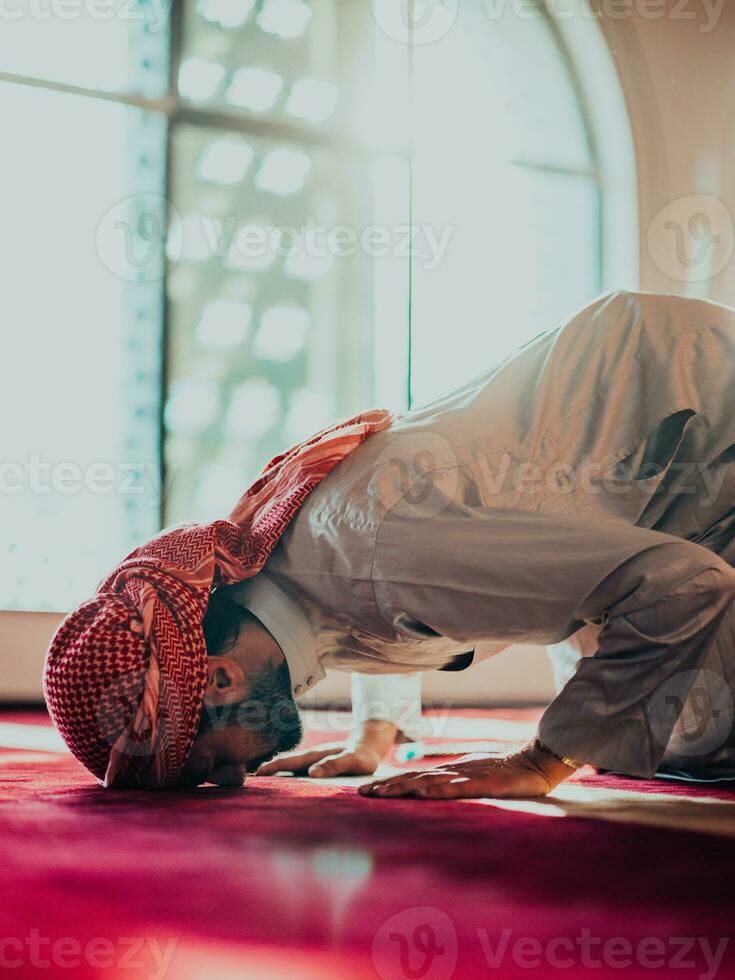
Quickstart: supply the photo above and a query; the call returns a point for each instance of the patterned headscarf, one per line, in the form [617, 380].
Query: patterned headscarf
[126, 672]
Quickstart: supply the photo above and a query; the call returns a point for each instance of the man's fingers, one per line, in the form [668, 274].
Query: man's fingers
[372, 789]
[276, 765]
[403, 787]
[506, 778]
[320, 763]
[299, 762]
[345, 764]
[444, 786]
[469, 786]
[413, 774]
[415, 787]
[405, 784]
[332, 765]
[459, 787]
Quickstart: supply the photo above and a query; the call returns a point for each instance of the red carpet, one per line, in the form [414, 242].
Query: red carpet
[294, 879]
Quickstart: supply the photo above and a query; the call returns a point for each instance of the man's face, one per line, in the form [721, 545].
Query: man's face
[224, 756]
[247, 718]
[249, 714]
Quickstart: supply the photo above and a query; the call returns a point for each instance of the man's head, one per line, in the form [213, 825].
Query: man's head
[249, 714]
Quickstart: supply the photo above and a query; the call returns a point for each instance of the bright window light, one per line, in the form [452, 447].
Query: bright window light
[312, 99]
[226, 13]
[225, 161]
[254, 88]
[305, 264]
[224, 323]
[254, 409]
[283, 172]
[193, 238]
[193, 404]
[199, 78]
[282, 333]
[221, 485]
[253, 248]
[308, 412]
[41, 737]
[116, 46]
[287, 19]
[60, 536]
[182, 283]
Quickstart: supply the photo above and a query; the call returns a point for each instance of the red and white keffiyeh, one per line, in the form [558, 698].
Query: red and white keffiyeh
[125, 673]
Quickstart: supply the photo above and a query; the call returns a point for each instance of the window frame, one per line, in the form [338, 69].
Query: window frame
[614, 185]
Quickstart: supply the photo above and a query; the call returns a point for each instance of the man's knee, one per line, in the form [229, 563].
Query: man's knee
[684, 575]
[722, 583]
[699, 574]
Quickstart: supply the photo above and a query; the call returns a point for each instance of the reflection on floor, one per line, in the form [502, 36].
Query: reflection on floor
[301, 879]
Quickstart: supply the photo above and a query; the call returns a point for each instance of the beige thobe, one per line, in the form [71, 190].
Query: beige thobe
[530, 506]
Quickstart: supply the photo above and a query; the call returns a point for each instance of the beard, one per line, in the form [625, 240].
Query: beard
[269, 712]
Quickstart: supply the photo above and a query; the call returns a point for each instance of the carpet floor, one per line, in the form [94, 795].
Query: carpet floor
[303, 879]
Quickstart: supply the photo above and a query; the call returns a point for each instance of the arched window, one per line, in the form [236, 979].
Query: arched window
[514, 173]
[230, 221]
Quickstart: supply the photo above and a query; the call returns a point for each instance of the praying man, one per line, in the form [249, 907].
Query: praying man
[579, 495]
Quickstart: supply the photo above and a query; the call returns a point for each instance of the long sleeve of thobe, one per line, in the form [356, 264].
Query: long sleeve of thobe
[484, 573]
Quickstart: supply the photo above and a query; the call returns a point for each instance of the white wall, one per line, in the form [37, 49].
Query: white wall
[24, 637]
[678, 77]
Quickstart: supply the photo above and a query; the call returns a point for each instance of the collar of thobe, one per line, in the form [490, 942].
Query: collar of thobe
[288, 626]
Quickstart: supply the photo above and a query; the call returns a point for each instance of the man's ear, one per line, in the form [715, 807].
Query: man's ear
[225, 681]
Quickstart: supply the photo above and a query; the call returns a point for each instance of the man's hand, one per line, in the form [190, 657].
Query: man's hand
[373, 742]
[532, 771]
